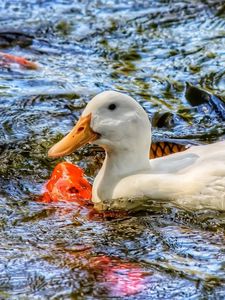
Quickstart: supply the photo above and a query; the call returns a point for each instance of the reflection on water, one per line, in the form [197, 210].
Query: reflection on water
[149, 49]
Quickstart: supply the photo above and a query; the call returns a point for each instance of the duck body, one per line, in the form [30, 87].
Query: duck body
[193, 179]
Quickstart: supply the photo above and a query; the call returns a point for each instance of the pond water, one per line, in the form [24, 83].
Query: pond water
[149, 49]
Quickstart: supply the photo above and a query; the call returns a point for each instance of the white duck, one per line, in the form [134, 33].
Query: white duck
[194, 179]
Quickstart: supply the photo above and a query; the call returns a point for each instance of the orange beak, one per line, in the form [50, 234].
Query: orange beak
[80, 135]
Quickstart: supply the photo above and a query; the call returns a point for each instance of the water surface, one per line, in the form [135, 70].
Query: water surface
[149, 49]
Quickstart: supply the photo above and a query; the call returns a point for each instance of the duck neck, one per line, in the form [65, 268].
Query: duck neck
[119, 163]
[126, 162]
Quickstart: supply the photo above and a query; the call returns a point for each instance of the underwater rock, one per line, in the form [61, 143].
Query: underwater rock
[198, 97]
[10, 38]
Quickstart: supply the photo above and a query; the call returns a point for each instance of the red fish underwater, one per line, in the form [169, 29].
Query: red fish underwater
[119, 277]
[7, 59]
[67, 184]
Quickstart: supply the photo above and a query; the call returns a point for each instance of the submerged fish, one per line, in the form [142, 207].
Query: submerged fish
[6, 59]
[164, 148]
[67, 184]
[115, 276]
[120, 278]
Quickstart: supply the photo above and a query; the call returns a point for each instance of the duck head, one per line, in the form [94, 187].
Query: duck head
[112, 120]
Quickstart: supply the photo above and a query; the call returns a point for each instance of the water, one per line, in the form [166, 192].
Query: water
[149, 49]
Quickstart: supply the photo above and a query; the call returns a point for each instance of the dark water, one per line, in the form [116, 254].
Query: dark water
[149, 49]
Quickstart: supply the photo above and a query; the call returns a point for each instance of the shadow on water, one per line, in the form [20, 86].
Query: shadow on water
[149, 49]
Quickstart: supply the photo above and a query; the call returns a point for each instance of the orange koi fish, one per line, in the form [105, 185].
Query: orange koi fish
[67, 184]
[10, 58]
[120, 278]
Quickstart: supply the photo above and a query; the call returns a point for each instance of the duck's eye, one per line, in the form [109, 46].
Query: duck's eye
[112, 106]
